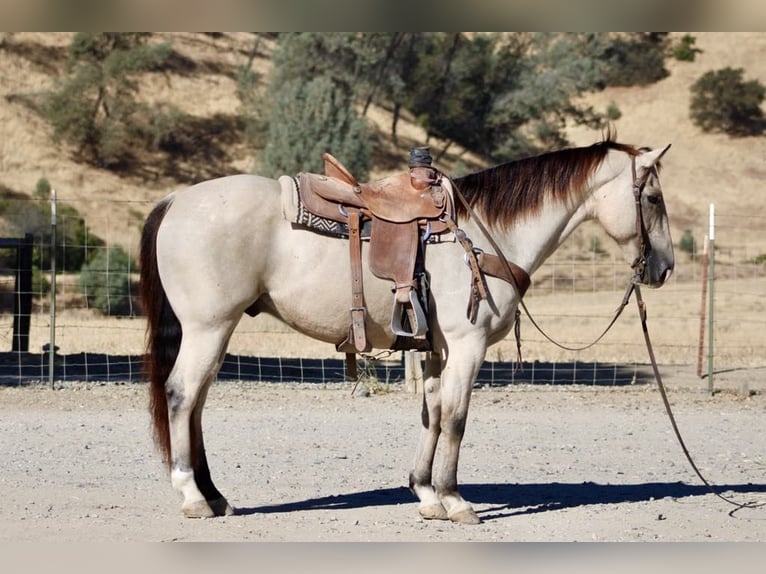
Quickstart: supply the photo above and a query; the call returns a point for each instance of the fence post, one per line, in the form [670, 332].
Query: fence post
[413, 372]
[52, 342]
[22, 302]
[711, 283]
[703, 305]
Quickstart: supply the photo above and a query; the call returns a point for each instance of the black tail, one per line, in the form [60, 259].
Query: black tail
[163, 330]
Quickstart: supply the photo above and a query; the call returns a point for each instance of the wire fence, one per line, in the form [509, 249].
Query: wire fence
[98, 330]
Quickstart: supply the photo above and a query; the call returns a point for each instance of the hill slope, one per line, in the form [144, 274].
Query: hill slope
[700, 168]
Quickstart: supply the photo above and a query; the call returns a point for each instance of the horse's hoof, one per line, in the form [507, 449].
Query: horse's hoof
[221, 507]
[463, 514]
[432, 511]
[199, 509]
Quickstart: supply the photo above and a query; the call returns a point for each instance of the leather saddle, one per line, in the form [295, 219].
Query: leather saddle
[402, 209]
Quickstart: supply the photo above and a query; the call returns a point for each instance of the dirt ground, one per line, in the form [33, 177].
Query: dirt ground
[310, 463]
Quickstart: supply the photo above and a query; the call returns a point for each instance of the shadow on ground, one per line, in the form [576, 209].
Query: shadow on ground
[507, 500]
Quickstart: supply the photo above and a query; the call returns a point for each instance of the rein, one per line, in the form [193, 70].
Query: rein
[520, 293]
[638, 267]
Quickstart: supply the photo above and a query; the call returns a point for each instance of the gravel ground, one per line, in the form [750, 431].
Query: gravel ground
[304, 463]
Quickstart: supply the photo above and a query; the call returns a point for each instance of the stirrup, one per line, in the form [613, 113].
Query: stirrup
[415, 315]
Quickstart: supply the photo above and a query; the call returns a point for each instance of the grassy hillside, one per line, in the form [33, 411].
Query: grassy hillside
[700, 168]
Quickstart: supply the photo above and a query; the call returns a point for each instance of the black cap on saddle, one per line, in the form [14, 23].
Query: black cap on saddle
[422, 174]
[420, 157]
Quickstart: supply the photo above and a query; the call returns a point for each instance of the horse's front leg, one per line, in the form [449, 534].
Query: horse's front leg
[458, 377]
[420, 478]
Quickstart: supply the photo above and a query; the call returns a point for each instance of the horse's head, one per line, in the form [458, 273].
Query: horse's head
[632, 211]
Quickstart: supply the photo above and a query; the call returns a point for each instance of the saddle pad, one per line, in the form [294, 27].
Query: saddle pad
[294, 211]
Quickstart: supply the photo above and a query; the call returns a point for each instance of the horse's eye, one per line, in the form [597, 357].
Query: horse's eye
[654, 199]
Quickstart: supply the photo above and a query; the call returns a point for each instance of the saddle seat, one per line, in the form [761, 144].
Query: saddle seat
[399, 198]
[402, 208]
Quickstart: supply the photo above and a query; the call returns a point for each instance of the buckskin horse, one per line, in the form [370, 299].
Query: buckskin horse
[223, 247]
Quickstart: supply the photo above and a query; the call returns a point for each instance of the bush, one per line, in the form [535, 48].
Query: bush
[636, 59]
[613, 112]
[40, 284]
[310, 118]
[43, 189]
[722, 101]
[685, 50]
[105, 281]
[687, 243]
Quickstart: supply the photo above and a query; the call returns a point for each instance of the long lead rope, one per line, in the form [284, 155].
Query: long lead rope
[661, 386]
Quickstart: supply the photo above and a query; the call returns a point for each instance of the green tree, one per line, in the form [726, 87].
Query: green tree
[452, 86]
[687, 243]
[309, 119]
[722, 101]
[105, 281]
[355, 61]
[314, 105]
[533, 106]
[501, 95]
[368, 67]
[94, 107]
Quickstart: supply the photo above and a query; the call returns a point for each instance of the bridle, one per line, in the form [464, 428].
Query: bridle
[644, 246]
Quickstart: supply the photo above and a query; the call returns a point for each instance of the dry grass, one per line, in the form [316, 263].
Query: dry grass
[574, 319]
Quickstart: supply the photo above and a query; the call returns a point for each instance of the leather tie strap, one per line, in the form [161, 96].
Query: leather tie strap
[356, 342]
[479, 289]
[513, 274]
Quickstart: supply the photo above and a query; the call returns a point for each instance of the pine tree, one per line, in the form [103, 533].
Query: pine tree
[309, 119]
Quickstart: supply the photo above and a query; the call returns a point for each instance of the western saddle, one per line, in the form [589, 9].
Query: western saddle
[398, 214]
[401, 209]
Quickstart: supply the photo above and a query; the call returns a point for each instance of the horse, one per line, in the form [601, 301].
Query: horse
[221, 248]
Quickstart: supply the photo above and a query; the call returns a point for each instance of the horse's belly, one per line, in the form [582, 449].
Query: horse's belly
[310, 289]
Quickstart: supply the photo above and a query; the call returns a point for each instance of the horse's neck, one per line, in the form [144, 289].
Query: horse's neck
[533, 239]
[537, 238]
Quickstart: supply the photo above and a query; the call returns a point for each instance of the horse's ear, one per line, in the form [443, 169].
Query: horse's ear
[650, 158]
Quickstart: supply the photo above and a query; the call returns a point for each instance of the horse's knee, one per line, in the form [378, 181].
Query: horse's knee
[454, 425]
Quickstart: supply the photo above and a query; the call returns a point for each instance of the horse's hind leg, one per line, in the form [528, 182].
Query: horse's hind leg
[218, 504]
[199, 359]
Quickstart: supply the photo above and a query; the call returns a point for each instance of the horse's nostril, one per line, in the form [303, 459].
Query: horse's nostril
[666, 274]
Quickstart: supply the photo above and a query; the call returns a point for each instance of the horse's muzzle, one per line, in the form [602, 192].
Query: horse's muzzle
[656, 276]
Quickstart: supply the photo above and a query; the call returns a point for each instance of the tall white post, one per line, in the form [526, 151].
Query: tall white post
[52, 342]
[711, 283]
